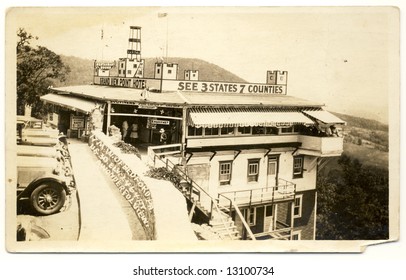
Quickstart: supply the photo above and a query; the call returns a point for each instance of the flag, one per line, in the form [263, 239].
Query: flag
[161, 15]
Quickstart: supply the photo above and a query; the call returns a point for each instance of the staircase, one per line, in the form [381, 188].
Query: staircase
[224, 226]
[220, 222]
[218, 217]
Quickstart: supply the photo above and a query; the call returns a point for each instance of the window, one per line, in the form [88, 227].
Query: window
[211, 131]
[122, 65]
[271, 131]
[157, 71]
[194, 131]
[290, 129]
[273, 165]
[225, 172]
[169, 71]
[297, 208]
[298, 167]
[244, 130]
[258, 130]
[296, 235]
[135, 65]
[250, 215]
[269, 211]
[119, 71]
[253, 170]
[227, 131]
[287, 129]
[129, 72]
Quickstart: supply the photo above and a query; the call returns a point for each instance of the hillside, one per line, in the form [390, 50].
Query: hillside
[353, 121]
[365, 132]
[82, 70]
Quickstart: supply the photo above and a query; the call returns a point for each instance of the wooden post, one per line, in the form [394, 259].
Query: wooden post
[184, 128]
[192, 210]
[292, 219]
[108, 116]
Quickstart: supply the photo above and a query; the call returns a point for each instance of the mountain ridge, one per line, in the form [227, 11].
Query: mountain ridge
[82, 70]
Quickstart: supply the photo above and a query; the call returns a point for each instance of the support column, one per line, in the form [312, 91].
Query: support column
[292, 219]
[108, 115]
[184, 128]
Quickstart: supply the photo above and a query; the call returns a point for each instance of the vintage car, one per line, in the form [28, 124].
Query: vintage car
[32, 131]
[44, 177]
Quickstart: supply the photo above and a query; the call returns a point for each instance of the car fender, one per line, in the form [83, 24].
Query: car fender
[36, 182]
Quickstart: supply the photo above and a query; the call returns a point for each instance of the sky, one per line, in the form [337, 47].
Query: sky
[345, 58]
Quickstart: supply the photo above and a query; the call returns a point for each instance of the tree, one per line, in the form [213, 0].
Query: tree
[353, 202]
[37, 68]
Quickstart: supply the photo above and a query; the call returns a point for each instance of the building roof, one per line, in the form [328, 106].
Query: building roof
[193, 99]
[324, 117]
[120, 94]
[70, 102]
[200, 98]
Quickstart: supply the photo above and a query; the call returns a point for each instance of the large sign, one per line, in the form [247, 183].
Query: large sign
[137, 83]
[131, 187]
[77, 122]
[196, 86]
[224, 87]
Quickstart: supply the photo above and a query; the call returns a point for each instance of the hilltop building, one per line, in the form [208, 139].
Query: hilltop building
[247, 154]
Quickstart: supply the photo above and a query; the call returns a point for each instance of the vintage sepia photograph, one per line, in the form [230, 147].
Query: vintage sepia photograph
[202, 129]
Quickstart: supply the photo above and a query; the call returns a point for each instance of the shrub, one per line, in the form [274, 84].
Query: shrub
[127, 148]
[161, 173]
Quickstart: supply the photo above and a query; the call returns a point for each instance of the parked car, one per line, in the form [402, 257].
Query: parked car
[44, 177]
[32, 131]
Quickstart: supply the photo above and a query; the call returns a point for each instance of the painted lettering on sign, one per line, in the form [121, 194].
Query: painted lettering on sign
[230, 87]
[197, 86]
[161, 122]
[140, 84]
[105, 81]
[131, 187]
[77, 122]
[122, 82]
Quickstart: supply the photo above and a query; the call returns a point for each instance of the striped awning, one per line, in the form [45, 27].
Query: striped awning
[233, 117]
[70, 102]
[324, 117]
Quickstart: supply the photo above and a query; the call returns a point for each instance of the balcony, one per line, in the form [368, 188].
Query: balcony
[321, 146]
[309, 145]
[283, 192]
[201, 142]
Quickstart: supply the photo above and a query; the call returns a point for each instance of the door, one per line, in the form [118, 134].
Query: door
[269, 223]
[273, 170]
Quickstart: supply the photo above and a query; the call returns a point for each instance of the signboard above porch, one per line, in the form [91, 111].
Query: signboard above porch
[192, 86]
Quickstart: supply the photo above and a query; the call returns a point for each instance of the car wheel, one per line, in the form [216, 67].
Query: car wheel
[48, 198]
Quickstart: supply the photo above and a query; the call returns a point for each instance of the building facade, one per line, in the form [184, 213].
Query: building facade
[247, 154]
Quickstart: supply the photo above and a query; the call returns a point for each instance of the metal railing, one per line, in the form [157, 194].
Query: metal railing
[232, 205]
[282, 232]
[164, 150]
[285, 190]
